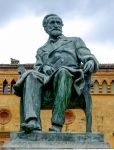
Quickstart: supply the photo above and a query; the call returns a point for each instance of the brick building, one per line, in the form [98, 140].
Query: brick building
[102, 108]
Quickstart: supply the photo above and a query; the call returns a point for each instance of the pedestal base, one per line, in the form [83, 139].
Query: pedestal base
[52, 140]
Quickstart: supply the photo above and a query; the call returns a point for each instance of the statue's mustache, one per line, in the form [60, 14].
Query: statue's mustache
[56, 29]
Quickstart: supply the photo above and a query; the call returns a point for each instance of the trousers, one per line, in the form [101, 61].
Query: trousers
[62, 84]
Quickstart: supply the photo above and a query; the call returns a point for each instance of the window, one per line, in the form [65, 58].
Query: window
[5, 87]
[96, 87]
[104, 87]
[12, 83]
[112, 87]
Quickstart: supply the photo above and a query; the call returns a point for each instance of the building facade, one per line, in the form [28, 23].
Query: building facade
[102, 108]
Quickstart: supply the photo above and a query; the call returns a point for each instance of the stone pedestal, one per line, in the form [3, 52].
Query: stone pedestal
[52, 140]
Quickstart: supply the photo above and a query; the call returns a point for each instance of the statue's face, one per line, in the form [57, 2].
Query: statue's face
[54, 26]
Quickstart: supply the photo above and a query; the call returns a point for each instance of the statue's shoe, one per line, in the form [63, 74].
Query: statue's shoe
[28, 127]
[55, 129]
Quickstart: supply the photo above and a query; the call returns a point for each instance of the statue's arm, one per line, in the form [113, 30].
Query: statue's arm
[84, 54]
[39, 62]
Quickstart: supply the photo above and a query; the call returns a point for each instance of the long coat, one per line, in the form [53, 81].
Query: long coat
[66, 52]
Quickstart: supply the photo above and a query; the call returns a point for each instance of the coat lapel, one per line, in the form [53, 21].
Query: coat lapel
[49, 48]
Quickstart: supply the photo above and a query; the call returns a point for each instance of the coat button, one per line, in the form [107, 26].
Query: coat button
[62, 60]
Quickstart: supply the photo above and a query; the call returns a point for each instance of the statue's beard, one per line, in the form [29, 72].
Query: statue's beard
[55, 32]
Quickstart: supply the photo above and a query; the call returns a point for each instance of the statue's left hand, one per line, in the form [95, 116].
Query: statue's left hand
[89, 66]
[48, 70]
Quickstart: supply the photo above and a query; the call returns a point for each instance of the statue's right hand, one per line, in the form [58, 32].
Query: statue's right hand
[48, 70]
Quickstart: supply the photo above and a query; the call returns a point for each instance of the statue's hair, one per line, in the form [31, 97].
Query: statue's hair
[44, 23]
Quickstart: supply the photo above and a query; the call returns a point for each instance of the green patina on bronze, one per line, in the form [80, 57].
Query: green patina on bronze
[58, 79]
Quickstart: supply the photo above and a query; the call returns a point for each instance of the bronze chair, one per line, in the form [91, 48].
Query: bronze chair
[84, 101]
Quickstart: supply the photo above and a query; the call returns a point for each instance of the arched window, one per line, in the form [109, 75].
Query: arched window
[5, 87]
[12, 83]
[96, 87]
[112, 87]
[104, 87]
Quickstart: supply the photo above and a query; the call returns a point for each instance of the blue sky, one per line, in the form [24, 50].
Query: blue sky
[21, 31]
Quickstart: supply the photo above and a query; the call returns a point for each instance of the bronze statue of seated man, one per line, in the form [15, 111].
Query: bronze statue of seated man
[57, 68]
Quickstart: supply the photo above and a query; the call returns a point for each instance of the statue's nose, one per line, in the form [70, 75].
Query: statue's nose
[55, 24]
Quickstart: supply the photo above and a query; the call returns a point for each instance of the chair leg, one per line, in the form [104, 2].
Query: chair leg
[88, 111]
[88, 122]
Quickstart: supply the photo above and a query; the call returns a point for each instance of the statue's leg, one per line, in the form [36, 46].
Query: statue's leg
[32, 103]
[62, 92]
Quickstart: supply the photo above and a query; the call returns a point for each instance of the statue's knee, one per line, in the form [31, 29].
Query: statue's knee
[29, 77]
[63, 72]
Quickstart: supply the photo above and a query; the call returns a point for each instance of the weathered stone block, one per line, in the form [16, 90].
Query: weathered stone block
[52, 140]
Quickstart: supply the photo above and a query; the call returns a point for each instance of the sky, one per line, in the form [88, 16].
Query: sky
[21, 31]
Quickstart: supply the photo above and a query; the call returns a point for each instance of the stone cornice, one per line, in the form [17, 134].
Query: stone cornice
[29, 66]
[15, 66]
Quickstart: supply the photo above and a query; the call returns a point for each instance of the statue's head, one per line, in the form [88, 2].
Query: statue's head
[52, 24]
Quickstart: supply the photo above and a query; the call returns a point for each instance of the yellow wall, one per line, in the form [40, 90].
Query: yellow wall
[10, 103]
[103, 116]
[102, 112]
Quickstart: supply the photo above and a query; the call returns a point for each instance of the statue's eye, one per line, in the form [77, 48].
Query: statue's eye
[58, 22]
[52, 22]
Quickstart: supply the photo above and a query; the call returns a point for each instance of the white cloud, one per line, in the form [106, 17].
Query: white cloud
[78, 27]
[103, 51]
[21, 38]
